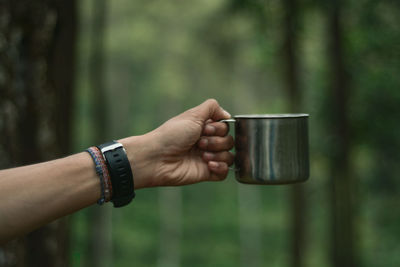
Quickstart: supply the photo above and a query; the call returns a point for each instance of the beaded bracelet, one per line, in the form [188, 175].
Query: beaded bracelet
[103, 173]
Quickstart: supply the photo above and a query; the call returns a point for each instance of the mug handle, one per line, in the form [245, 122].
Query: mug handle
[228, 120]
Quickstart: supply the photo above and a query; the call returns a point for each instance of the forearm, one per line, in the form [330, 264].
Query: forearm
[33, 195]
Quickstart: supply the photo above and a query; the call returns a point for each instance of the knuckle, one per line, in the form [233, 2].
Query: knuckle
[220, 156]
[225, 156]
[223, 127]
[221, 143]
[216, 141]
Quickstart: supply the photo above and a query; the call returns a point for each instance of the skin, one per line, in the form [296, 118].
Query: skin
[189, 148]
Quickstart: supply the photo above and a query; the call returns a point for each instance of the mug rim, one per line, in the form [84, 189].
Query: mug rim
[272, 116]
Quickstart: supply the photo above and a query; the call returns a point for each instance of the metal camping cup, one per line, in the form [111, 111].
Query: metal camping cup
[271, 148]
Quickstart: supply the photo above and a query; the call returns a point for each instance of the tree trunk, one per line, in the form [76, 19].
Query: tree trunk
[37, 60]
[342, 250]
[100, 218]
[293, 90]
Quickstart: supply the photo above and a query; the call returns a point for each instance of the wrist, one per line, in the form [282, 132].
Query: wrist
[143, 155]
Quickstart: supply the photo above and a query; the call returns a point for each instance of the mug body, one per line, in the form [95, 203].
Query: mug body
[271, 149]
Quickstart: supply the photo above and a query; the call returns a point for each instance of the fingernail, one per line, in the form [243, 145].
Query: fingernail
[210, 129]
[213, 164]
[227, 114]
[208, 155]
[203, 142]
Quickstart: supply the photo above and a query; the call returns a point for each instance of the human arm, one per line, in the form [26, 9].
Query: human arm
[176, 153]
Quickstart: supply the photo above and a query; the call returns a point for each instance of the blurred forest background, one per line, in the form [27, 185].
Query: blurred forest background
[78, 73]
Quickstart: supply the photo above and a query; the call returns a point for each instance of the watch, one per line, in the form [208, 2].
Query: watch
[120, 173]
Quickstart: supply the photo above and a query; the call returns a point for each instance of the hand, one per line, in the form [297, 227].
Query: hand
[189, 148]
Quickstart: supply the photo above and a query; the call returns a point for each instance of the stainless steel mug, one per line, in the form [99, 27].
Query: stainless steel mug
[271, 148]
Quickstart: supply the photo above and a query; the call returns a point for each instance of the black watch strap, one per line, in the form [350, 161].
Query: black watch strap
[120, 173]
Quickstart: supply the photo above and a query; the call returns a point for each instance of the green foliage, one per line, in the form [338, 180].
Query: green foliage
[163, 57]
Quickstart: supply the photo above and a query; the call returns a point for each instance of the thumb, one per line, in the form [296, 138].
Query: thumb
[210, 109]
